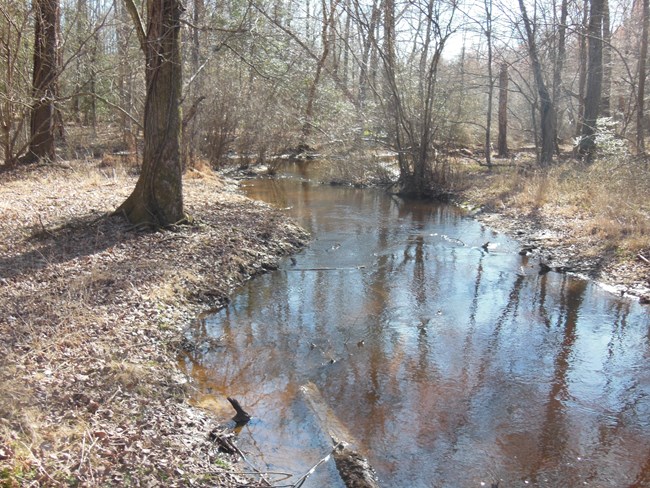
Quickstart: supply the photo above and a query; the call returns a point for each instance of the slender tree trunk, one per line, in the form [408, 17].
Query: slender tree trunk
[643, 56]
[488, 122]
[346, 45]
[605, 109]
[547, 109]
[502, 144]
[196, 88]
[157, 199]
[594, 79]
[81, 26]
[124, 76]
[328, 24]
[368, 47]
[559, 62]
[44, 85]
[582, 74]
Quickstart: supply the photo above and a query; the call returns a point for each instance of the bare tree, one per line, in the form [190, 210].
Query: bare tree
[488, 122]
[548, 125]
[326, 40]
[605, 109]
[643, 55]
[502, 144]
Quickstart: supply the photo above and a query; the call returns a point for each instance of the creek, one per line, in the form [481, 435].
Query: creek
[452, 365]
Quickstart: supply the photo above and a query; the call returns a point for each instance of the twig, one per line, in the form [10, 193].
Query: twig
[303, 478]
[643, 258]
[250, 465]
[43, 229]
[326, 268]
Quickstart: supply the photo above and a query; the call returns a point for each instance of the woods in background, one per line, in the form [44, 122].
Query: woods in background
[257, 78]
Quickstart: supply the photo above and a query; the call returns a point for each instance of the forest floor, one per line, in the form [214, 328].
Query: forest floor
[93, 314]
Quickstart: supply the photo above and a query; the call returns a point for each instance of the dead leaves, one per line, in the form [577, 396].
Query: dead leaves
[92, 318]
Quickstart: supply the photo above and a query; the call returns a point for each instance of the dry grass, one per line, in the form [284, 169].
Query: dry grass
[602, 209]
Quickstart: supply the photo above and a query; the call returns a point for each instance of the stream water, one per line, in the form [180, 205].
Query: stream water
[450, 365]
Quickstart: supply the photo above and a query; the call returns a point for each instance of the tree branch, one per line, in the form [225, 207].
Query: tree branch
[137, 20]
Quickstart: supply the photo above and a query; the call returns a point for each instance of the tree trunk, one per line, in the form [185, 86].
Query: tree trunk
[594, 79]
[44, 84]
[502, 142]
[605, 109]
[124, 75]
[369, 44]
[643, 55]
[582, 72]
[157, 199]
[328, 24]
[488, 122]
[547, 109]
[559, 61]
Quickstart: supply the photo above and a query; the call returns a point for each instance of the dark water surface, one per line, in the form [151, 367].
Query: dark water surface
[450, 365]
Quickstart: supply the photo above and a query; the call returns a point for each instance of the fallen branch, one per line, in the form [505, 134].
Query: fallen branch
[327, 268]
[354, 469]
[643, 258]
[303, 478]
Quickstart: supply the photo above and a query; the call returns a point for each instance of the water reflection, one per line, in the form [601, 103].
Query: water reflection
[450, 365]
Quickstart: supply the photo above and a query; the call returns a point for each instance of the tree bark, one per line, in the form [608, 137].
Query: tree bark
[328, 24]
[594, 79]
[643, 55]
[44, 81]
[582, 72]
[157, 199]
[605, 109]
[559, 60]
[502, 141]
[547, 109]
[488, 122]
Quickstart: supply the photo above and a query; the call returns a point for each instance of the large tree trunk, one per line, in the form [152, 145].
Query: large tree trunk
[157, 199]
[44, 84]
[594, 79]
[502, 144]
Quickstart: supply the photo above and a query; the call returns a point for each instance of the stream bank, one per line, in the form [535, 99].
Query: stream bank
[93, 314]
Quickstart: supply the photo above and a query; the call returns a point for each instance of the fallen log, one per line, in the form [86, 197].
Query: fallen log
[353, 467]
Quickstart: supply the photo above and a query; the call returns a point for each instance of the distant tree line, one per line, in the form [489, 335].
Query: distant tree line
[202, 80]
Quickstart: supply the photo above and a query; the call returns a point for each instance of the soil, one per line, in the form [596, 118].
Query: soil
[93, 314]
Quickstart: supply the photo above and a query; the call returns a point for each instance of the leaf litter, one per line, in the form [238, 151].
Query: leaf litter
[93, 313]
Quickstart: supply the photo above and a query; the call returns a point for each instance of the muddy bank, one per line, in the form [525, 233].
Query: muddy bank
[560, 245]
[93, 314]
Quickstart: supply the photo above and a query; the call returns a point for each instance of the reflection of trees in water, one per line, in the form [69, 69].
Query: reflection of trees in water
[554, 434]
[397, 383]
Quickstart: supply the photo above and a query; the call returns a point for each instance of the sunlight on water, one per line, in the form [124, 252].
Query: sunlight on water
[450, 365]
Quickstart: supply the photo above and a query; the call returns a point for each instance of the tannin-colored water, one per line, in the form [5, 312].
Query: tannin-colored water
[450, 365]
